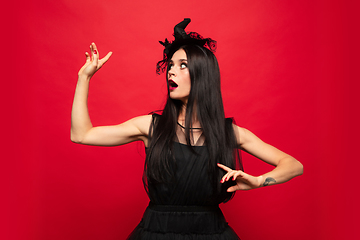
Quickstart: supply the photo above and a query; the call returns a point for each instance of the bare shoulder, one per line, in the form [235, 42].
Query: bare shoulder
[243, 135]
[139, 124]
[142, 123]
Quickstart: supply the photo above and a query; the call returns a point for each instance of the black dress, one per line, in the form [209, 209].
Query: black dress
[184, 209]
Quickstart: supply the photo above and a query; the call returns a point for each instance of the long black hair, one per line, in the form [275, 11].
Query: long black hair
[205, 94]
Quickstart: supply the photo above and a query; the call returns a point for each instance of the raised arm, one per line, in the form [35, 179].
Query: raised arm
[286, 167]
[82, 130]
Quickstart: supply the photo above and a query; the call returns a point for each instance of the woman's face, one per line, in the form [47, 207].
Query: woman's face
[179, 77]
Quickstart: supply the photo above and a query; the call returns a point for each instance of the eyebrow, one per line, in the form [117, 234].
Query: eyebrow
[180, 60]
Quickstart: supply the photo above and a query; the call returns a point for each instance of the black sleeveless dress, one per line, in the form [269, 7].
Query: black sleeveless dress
[184, 209]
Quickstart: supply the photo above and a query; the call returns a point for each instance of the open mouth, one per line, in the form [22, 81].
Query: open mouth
[172, 84]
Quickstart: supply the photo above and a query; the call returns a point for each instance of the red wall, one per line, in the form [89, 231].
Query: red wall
[289, 74]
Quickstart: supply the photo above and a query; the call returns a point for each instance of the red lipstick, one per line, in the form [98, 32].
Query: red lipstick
[172, 85]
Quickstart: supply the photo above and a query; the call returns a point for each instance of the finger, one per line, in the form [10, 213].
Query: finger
[231, 175]
[87, 55]
[224, 167]
[238, 174]
[91, 52]
[95, 53]
[224, 178]
[105, 59]
[107, 56]
[232, 189]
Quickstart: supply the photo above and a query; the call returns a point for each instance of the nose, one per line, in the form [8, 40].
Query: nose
[171, 72]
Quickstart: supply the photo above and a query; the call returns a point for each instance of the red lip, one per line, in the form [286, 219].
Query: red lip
[172, 85]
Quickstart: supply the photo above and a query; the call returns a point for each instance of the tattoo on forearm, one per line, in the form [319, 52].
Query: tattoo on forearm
[268, 181]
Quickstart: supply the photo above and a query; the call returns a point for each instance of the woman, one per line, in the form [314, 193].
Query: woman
[191, 148]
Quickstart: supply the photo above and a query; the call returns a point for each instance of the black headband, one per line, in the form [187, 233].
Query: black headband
[182, 38]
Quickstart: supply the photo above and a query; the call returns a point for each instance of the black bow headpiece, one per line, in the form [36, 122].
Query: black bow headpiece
[182, 38]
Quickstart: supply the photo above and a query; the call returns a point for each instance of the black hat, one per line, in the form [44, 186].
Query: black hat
[182, 38]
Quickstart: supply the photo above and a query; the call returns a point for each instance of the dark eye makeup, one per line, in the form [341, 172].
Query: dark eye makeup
[183, 65]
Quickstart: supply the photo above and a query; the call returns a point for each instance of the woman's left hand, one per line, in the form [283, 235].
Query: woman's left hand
[243, 180]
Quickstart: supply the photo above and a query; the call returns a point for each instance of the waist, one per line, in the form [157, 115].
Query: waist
[180, 208]
[183, 219]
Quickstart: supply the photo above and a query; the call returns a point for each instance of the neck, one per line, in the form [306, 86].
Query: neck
[194, 118]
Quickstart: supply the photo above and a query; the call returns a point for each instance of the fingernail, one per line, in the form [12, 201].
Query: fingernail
[221, 181]
[95, 52]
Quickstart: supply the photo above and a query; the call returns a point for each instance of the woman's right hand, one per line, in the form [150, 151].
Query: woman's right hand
[93, 63]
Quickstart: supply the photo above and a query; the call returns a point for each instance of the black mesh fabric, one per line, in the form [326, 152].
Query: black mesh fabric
[184, 208]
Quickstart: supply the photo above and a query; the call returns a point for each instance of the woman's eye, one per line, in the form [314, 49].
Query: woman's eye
[183, 65]
[170, 66]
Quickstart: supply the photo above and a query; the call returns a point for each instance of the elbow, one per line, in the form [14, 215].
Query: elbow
[293, 166]
[299, 168]
[75, 138]
[78, 136]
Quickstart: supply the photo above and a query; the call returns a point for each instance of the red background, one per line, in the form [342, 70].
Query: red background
[289, 74]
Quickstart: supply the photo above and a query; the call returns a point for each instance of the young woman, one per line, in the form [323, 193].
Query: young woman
[191, 148]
